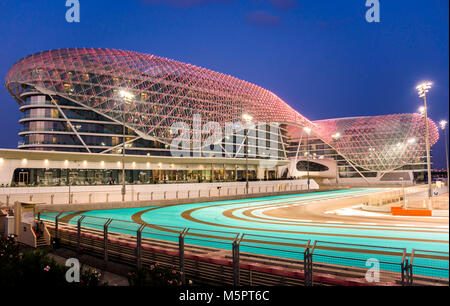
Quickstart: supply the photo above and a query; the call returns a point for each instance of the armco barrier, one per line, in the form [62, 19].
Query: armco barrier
[391, 262]
[434, 264]
[227, 258]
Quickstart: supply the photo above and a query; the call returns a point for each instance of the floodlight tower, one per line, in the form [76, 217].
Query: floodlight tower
[127, 98]
[247, 119]
[423, 89]
[307, 130]
[443, 125]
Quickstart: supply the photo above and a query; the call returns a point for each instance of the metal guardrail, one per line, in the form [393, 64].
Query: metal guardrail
[90, 197]
[435, 263]
[392, 261]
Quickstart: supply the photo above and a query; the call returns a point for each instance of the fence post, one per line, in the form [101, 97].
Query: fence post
[236, 263]
[408, 273]
[181, 254]
[105, 240]
[139, 246]
[402, 267]
[307, 266]
[406, 268]
[79, 233]
[151, 196]
[56, 225]
[311, 266]
[410, 269]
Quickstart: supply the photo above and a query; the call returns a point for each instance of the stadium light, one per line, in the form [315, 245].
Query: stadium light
[422, 90]
[443, 125]
[421, 110]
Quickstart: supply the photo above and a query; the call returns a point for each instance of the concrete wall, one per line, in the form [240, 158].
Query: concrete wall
[152, 192]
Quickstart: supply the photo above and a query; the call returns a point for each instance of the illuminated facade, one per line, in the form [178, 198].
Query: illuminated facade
[98, 101]
[370, 147]
[71, 99]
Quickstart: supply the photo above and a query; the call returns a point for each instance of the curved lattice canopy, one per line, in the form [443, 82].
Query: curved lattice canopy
[161, 91]
[379, 143]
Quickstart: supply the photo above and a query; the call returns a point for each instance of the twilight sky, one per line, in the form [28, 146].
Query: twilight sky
[320, 56]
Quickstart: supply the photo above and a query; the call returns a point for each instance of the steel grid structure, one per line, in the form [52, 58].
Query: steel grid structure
[163, 91]
[378, 143]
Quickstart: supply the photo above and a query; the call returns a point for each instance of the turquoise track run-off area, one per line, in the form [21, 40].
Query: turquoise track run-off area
[230, 216]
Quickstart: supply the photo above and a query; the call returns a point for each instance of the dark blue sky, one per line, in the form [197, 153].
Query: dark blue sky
[320, 56]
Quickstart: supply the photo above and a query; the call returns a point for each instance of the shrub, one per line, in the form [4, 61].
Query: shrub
[155, 275]
[90, 277]
[35, 268]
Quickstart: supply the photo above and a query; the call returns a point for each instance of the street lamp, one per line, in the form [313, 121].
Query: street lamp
[443, 125]
[423, 89]
[127, 97]
[336, 138]
[248, 119]
[307, 130]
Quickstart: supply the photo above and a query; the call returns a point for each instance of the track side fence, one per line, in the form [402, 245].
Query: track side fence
[232, 258]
